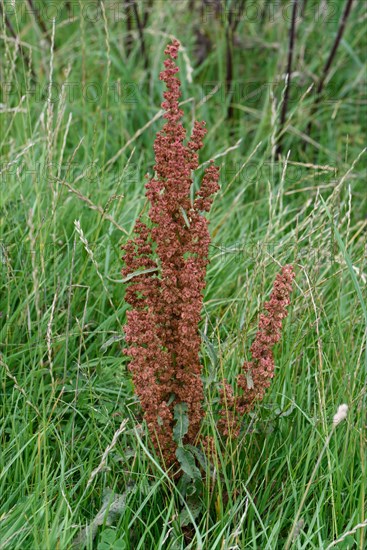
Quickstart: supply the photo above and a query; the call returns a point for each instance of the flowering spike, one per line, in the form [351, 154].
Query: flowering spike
[168, 258]
[165, 266]
[258, 372]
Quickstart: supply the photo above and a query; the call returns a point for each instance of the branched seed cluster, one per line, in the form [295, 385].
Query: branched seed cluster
[162, 327]
[165, 263]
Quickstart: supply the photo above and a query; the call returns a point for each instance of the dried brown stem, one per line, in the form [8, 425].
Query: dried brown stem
[233, 21]
[129, 28]
[40, 21]
[292, 37]
[326, 69]
[141, 36]
[147, 12]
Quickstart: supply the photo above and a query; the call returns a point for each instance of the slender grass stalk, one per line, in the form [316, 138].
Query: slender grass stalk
[338, 417]
[303, 8]
[25, 56]
[5, 17]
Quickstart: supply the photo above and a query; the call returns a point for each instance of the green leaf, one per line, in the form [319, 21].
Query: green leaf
[183, 484]
[187, 462]
[112, 340]
[200, 456]
[182, 422]
[109, 542]
[137, 274]
[184, 215]
[202, 460]
[191, 489]
[287, 411]
[211, 349]
[195, 506]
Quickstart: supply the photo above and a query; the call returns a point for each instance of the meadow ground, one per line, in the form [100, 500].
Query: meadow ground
[78, 118]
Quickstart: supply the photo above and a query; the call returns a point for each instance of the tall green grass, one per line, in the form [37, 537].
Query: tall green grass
[65, 387]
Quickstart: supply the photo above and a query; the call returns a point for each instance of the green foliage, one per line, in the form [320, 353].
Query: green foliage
[182, 422]
[108, 541]
[191, 511]
[187, 462]
[64, 384]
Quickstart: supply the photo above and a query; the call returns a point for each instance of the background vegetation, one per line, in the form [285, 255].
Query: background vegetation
[80, 106]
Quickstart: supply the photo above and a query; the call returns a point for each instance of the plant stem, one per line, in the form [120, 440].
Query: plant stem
[40, 21]
[292, 34]
[230, 33]
[305, 494]
[12, 32]
[141, 36]
[329, 61]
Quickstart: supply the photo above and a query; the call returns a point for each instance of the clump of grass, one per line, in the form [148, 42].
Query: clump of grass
[65, 390]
